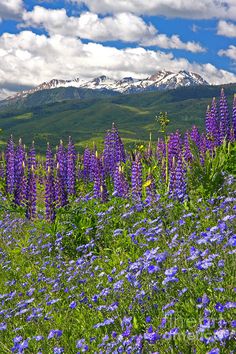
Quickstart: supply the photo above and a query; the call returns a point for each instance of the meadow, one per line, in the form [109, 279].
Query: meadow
[86, 119]
[116, 251]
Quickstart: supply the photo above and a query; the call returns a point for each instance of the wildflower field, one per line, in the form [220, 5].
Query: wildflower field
[118, 251]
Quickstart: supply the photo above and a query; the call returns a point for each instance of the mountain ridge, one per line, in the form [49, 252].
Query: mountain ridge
[87, 119]
[162, 80]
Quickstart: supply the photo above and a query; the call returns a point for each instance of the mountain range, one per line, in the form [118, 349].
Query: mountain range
[87, 117]
[102, 86]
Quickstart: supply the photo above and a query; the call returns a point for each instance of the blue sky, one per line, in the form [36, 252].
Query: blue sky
[41, 40]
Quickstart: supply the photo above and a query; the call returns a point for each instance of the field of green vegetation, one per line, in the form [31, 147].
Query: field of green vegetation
[121, 251]
[86, 118]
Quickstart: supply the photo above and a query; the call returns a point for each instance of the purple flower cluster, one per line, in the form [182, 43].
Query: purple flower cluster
[114, 172]
[114, 152]
[166, 283]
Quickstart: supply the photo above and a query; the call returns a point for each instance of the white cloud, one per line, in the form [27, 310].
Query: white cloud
[201, 9]
[195, 28]
[122, 26]
[163, 41]
[226, 29]
[11, 8]
[28, 59]
[4, 93]
[230, 52]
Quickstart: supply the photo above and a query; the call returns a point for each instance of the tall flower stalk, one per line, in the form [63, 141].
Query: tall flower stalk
[163, 120]
[50, 196]
[234, 118]
[121, 187]
[10, 166]
[224, 124]
[114, 152]
[71, 167]
[136, 179]
[31, 195]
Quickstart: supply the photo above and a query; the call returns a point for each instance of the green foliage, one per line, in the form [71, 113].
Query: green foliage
[230, 165]
[206, 175]
[61, 279]
[163, 120]
[69, 218]
[86, 118]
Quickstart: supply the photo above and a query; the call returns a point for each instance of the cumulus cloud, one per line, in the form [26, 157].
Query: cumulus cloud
[28, 59]
[201, 9]
[173, 42]
[227, 29]
[4, 93]
[11, 8]
[230, 52]
[125, 27]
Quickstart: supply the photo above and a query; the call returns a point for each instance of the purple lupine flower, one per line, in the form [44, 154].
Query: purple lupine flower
[174, 147]
[103, 192]
[136, 179]
[177, 180]
[19, 158]
[49, 158]
[224, 124]
[71, 167]
[86, 164]
[20, 193]
[195, 136]
[214, 123]
[172, 177]
[121, 187]
[180, 180]
[93, 166]
[100, 190]
[61, 159]
[19, 166]
[114, 152]
[31, 194]
[109, 153]
[209, 136]
[234, 118]
[60, 189]
[50, 196]
[32, 156]
[212, 126]
[187, 149]
[208, 120]
[10, 163]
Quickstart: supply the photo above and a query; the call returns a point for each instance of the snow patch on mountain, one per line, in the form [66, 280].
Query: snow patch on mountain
[162, 80]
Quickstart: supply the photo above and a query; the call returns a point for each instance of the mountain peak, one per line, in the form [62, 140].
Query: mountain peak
[161, 80]
[99, 79]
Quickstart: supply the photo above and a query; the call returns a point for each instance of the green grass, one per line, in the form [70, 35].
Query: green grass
[87, 118]
[24, 116]
[102, 261]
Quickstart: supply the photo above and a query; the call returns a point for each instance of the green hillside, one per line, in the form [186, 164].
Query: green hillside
[86, 119]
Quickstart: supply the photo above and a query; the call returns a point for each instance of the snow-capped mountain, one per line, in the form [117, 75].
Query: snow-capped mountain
[162, 80]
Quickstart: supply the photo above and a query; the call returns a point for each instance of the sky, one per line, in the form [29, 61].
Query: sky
[67, 39]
